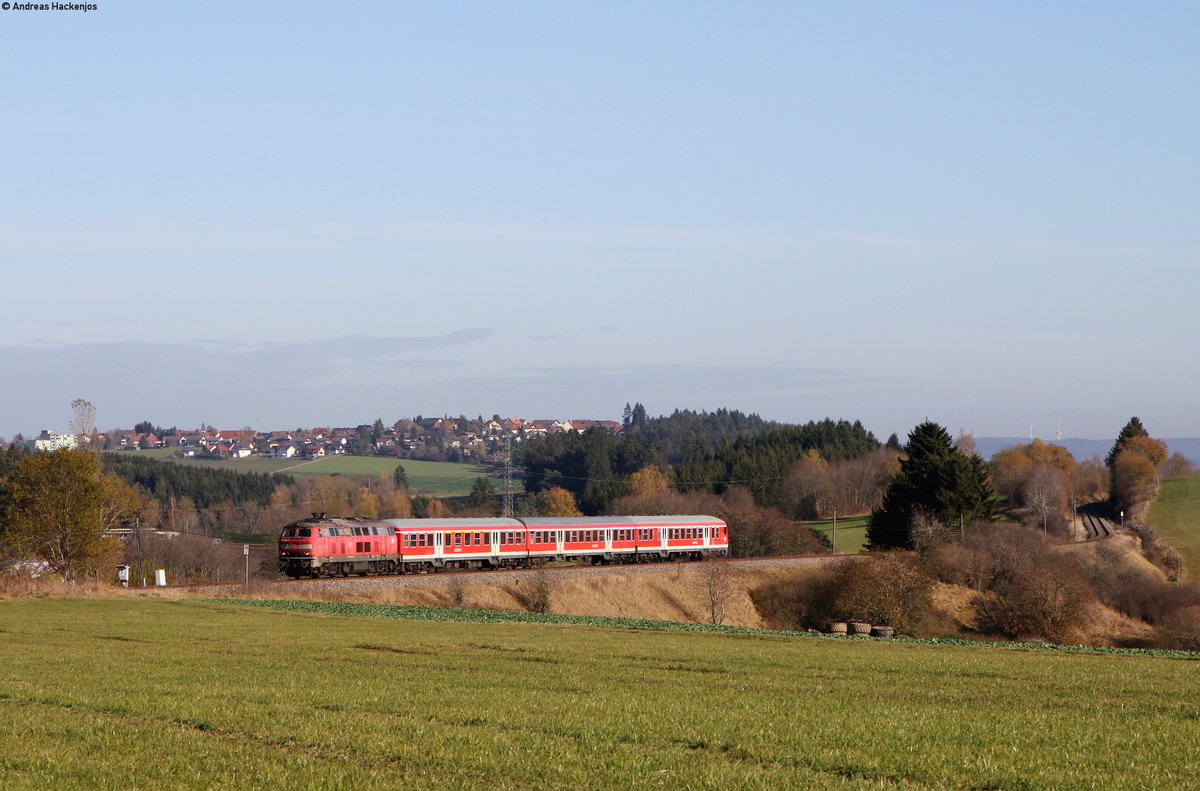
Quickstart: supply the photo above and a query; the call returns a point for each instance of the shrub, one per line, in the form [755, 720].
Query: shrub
[1180, 630]
[1035, 607]
[895, 590]
[892, 590]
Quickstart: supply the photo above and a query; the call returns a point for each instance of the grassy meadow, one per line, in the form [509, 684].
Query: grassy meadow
[1175, 514]
[441, 479]
[851, 531]
[151, 693]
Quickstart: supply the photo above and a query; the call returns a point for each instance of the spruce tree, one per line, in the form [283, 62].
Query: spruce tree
[1133, 428]
[936, 479]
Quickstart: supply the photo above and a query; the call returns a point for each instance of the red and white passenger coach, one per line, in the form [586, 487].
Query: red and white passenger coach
[323, 546]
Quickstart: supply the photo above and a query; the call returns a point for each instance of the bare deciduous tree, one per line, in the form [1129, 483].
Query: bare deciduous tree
[84, 421]
[1044, 492]
[718, 582]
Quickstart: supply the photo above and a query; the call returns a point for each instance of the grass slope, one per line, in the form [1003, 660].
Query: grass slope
[1175, 514]
[424, 477]
[179, 695]
[851, 531]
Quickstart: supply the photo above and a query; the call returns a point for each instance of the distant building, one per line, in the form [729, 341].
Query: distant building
[48, 440]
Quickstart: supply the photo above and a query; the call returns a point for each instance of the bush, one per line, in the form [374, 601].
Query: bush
[1180, 630]
[1042, 604]
[893, 590]
[1159, 553]
[1029, 591]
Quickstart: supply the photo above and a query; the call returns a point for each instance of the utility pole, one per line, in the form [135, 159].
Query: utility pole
[835, 530]
[508, 471]
[137, 529]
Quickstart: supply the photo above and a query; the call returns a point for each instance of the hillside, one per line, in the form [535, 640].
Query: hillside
[1175, 514]
[424, 477]
[199, 695]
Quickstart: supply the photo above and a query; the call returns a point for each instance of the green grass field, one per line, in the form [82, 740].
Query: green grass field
[424, 477]
[851, 531]
[145, 693]
[1175, 514]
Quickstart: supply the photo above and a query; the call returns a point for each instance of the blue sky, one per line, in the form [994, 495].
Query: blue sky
[287, 214]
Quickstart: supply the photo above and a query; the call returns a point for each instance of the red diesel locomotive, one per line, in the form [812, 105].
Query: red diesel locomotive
[323, 546]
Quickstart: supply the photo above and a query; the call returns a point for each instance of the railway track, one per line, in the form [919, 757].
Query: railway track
[504, 576]
[1095, 527]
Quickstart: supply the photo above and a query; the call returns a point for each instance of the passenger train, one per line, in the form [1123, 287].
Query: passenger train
[339, 546]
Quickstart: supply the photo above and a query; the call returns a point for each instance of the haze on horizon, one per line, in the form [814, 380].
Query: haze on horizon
[279, 215]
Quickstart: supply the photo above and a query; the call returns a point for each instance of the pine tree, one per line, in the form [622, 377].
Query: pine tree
[482, 493]
[936, 480]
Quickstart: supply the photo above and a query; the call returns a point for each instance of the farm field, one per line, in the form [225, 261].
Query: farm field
[424, 477]
[851, 531]
[150, 693]
[1175, 514]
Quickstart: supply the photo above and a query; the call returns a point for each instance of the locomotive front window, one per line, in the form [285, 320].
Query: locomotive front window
[305, 532]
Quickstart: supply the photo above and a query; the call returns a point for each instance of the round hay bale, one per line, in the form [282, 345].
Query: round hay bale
[858, 627]
[837, 627]
[882, 631]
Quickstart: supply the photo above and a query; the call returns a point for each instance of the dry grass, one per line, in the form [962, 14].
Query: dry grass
[15, 586]
[677, 595]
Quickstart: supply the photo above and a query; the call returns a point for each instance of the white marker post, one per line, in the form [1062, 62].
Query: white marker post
[246, 554]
